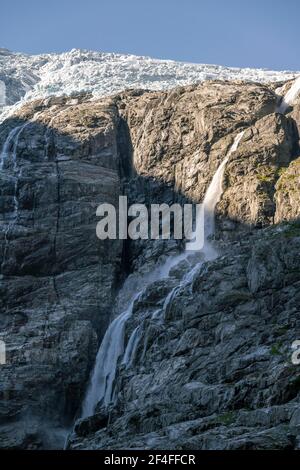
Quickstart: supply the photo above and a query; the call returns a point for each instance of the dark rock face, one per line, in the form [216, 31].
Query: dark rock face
[216, 373]
[57, 279]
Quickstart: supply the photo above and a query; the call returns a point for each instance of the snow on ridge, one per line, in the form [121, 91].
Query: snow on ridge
[28, 77]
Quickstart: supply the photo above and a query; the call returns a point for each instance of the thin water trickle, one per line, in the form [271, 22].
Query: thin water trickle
[10, 147]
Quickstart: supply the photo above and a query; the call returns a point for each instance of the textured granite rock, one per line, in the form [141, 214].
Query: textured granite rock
[216, 372]
[57, 279]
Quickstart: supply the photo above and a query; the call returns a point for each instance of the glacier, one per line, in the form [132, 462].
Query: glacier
[28, 77]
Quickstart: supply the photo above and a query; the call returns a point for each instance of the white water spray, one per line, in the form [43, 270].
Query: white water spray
[10, 147]
[290, 97]
[10, 144]
[112, 347]
[101, 388]
[131, 347]
[215, 190]
[206, 223]
[211, 199]
[2, 93]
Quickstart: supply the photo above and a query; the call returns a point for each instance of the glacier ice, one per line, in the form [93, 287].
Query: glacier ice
[28, 77]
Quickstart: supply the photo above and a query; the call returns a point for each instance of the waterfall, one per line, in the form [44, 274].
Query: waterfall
[211, 199]
[11, 140]
[2, 93]
[215, 190]
[101, 387]
[289, 98]
[11, 146]
[112, 347]
[212, 196]
[131, 347]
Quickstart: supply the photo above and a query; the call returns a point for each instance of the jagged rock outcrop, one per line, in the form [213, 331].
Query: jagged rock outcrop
[40, 76]
[59, 282]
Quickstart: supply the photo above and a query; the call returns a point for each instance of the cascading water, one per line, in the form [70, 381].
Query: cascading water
[290, 97]
[10, 147]
[211, 198]
[9, 153]
[109, 353]
[112, 346]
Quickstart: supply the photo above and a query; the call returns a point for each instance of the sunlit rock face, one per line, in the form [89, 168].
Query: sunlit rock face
[216, 373]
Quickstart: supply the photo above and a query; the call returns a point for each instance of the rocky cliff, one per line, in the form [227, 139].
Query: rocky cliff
[57, 280]
[215, 372]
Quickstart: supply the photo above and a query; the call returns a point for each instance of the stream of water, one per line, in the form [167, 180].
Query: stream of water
[112, 348]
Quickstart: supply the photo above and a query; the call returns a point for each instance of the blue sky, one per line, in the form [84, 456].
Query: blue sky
[254, 33]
